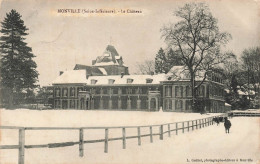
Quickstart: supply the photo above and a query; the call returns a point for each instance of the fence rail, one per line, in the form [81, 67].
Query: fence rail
[179, 126]
[245, 114]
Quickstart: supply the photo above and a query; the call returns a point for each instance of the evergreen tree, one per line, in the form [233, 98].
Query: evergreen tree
[161, 65]
[18, 70]
[174, 59]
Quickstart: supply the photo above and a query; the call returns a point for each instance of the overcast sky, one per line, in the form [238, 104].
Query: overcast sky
[59, 40]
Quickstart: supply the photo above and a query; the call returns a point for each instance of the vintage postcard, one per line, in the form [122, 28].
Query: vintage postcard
[129, 82]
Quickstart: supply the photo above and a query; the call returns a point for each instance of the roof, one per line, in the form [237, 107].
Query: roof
[136, 79]
[72, 76]
[226, 104]
[79, 77]
[109, 57]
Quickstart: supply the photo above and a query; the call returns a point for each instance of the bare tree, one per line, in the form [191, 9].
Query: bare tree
[197, 39]
[145, 67]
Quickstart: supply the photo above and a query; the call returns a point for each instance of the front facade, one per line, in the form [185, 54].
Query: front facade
[107, 85]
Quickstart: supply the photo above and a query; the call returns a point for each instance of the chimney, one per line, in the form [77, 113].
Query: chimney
[122, 74]
[61, 72]
[93, 62]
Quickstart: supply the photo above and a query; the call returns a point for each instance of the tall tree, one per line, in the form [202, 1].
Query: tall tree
[173, 58]
[231, 73]
[196, 37]
[251, 65]
[18, 70]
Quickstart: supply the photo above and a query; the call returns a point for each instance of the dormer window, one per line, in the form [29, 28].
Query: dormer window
[93, 81]
[111, 81]
[149, 80]
[129, 81]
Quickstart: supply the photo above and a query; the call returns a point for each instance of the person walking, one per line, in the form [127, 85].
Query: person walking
[227, 124]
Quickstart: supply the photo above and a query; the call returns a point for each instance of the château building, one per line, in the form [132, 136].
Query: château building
[107, 84]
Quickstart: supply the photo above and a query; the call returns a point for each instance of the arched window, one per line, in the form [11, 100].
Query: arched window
[168, 91]
[72, 91]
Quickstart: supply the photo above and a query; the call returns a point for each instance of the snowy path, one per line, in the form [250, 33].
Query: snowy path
[208, 143]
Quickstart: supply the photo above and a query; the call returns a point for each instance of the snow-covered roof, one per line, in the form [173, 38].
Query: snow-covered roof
[118, 80]
[226, 104]
[118, 57]
[178, 73]
[240, 92]
[79, 77]
[72, 76]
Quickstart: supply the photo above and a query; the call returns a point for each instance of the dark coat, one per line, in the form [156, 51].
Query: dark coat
[227, 124]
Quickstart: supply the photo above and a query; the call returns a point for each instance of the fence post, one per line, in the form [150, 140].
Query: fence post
[200, 123]
[139, 135]
[151, 134]
[182, 127]
[106, 140]
[188, 126]
[169, 130]
[81, 143]
[192, 123]
[161, 132]
[205, 122]
[21, 145]
[176, 128]
[124, 141]
[196, 124]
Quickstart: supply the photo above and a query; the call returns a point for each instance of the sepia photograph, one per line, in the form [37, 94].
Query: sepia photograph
[129, 81]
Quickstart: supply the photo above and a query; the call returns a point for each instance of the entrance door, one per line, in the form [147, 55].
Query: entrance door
[82, 103]
[86, 104]
[153, 104]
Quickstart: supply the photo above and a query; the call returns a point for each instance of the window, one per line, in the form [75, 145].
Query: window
[65, 92]
[178, 104]
[72, 104]
[104, 91]
[110, 91]
[129, 91]
[178, 91]
[168, 104]
[188, 91]
[149, 80]
[57, 103]
[93, 91]
[202, 90]
[115, 90]
[123, 90]
[93, 81]
[111, 81]
[130, 81]
[57, 92]
[188, 104]
[168, 91]
[72, 91]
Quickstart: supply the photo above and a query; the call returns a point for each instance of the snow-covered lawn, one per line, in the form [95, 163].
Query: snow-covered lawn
[206, 143]
[79, 118]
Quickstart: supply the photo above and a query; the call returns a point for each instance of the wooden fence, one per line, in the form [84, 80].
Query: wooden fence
[178, 127]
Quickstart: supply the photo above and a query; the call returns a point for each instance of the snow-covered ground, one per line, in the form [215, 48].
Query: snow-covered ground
[207, 143]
